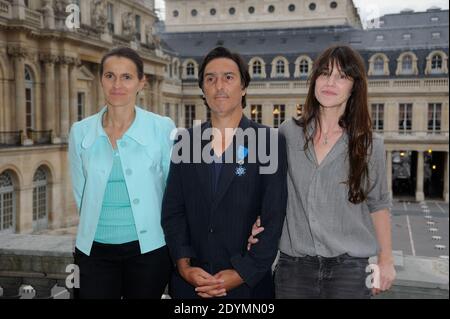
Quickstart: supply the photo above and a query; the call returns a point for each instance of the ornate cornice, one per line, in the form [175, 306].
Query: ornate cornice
[17, 51]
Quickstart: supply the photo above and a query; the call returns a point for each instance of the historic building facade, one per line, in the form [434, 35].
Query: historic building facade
[49, 79]
[406, 57]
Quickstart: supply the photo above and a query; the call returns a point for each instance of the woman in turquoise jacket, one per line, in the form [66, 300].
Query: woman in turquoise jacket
[119, 161]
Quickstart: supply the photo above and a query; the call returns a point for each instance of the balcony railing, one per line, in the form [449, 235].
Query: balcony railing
[40, 137]
[412, 134]
[10, 138]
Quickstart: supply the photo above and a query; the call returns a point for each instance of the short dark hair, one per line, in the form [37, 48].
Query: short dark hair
[221, 52]
[125, 52]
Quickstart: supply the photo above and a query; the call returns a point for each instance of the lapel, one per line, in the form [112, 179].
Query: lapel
[228, 171]
[203, 169]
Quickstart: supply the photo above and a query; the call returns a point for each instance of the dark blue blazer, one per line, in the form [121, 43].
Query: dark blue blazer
[212, 229]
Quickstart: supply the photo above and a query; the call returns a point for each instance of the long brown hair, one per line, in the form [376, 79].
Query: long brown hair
[356, 118]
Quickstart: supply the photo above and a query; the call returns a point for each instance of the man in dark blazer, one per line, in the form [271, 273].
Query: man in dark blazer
[216, 192]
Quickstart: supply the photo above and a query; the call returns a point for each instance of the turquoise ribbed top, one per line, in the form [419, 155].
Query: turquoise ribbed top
[116, 223]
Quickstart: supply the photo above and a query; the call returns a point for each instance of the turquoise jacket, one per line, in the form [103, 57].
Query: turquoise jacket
[145, 151]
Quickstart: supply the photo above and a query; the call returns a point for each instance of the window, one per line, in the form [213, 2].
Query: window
[81, 100]
[189, 115]
[278, 114]
[405, 117]
[304, 67]
[271, 9]
[138, 27]
[407, 36]
[378, 66]
[212, 12]
[407, 64]
[436, 35]
[377, 116]
[257, 70]
[312, 6]
[251, 10]
[177, 115]
[190, 69]
[256, 113]
[436, 63]
[280, 68]
[380, 37]
[232, 11]
[434, 117]
[167, 109]
[333, 5]
[194, 12]
[434, 19]
[175, 69]
[29, 100]
[291, 8]
[175, 13]
[110, 13]
[7, 200]
[40, 199]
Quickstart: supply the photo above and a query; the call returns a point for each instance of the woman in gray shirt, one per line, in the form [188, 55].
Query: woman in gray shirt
[338, 202]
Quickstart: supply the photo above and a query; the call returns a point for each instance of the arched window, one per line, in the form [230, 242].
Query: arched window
[257, 69]
[7, 203]
[304, 67]
[436, 63]
[29, 99]
[175, 69]
[280, 67]
[378, 65]
[40, 199]
[407, 64]
[190, 69]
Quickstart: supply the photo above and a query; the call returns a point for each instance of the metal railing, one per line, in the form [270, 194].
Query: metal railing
[413, 133]
[40, 137]
[10, 138]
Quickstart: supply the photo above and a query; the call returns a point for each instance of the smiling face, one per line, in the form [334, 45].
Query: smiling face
[120, 82]
[333, 88]
[222, 86]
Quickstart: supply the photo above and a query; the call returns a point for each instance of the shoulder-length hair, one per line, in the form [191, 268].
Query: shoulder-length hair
[355, 121]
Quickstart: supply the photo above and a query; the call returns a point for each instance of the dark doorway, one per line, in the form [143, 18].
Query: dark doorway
[404, 168]
[434, 174]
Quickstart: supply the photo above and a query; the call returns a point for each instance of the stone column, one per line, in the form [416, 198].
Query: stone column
[389, 171]
[24, 218]
[73, 91]
[64, 97]
[445, 195]
[100, 96]
[19, 55]
[419, 183]
[158, 95]
[267, 114]
[49, 109]
[152, 93]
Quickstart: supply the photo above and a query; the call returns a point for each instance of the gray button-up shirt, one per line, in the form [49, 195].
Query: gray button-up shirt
[320, 220]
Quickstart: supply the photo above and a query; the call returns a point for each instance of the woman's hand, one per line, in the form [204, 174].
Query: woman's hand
[256, 229]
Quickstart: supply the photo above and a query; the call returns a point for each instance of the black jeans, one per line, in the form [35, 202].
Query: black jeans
[341, 277]
[121, 271]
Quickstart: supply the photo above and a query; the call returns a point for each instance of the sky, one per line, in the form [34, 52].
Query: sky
[369, 9]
